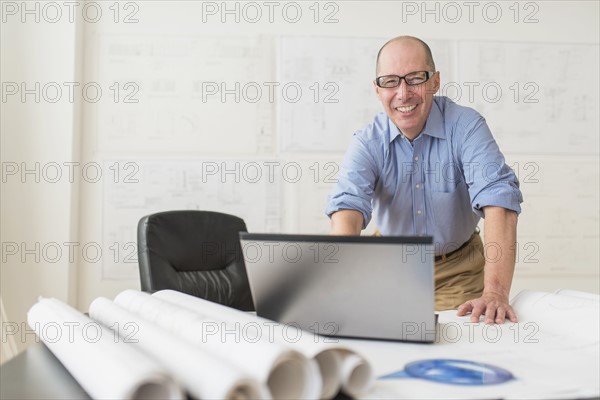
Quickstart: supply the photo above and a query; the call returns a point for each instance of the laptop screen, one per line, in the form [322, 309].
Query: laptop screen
[352, 286]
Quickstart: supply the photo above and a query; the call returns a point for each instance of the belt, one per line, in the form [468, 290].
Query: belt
[440, 257]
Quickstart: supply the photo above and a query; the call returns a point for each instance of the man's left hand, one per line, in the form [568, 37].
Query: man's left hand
[494, 306]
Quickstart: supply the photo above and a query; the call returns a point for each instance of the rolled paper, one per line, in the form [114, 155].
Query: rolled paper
[340, 367]
[287, 373]
[200, 373]
[105, 366]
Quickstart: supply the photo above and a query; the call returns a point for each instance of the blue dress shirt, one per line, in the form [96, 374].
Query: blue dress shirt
[435, 185]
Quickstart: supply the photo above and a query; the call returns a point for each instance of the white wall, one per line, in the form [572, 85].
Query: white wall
[36, 213]
[84, 131]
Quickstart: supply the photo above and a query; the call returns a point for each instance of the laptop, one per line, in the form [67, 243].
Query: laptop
[346, 286]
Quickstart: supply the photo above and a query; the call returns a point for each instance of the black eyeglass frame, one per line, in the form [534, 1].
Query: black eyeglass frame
[429, 74]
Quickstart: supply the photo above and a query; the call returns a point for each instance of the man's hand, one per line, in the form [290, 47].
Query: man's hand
[494, 306]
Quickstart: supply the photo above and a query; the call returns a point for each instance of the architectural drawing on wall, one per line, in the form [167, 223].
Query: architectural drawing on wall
[558, 228]
[240, 187]
[182, 93]
[544, 120]
[537, 98]
[335, 76]
[306, 198]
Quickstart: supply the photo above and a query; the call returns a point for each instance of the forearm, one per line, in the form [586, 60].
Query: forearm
[346, 222]
[500, 231]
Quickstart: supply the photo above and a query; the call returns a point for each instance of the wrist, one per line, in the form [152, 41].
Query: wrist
[494, 291]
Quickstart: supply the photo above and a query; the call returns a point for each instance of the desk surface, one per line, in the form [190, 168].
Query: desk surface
[552, 353]
[37, 374]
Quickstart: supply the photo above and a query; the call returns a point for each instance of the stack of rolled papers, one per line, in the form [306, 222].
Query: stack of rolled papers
[105, 366]
[339, 366]
[203, 375]
[286, 373]
[157, 342]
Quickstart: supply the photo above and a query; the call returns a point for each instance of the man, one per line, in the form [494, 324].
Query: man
[428, 166]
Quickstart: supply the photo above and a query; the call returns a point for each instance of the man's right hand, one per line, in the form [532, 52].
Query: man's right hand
[346, 222]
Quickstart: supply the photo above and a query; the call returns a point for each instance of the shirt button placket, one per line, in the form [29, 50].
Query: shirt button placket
[418, 192]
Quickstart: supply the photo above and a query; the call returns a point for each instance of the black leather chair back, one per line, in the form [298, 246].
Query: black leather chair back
[194, 252]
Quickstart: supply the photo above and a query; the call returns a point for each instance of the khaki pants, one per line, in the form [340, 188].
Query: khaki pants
[459, 278]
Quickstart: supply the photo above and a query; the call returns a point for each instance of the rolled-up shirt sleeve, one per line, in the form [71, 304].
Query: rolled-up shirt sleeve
[491, 182]
[356, 181]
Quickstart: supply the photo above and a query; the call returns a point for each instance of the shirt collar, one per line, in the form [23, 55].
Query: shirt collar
[434, 126]
[394, 131]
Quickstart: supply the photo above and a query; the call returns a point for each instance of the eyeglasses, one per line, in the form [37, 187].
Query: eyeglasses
[412, 79]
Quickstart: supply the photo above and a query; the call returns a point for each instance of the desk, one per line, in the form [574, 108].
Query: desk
[549, 356]
[37, 374]
[552, 353]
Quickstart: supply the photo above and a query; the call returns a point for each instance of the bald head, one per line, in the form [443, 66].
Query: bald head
[402, 39]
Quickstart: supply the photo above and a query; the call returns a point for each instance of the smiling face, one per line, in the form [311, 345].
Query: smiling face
[407, 106]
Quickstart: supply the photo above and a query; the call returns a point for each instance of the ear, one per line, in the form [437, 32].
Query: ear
[436, 82]
[433, 84]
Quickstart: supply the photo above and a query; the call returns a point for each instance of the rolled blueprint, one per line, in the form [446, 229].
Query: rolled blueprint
[356, 373]
[202, 374]
[339, 366]
[104, 366]
[287, 373]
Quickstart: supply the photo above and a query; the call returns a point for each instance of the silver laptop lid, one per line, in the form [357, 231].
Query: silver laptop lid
[350, 286]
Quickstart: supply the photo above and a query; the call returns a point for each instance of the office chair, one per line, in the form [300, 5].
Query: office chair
[194, 252]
